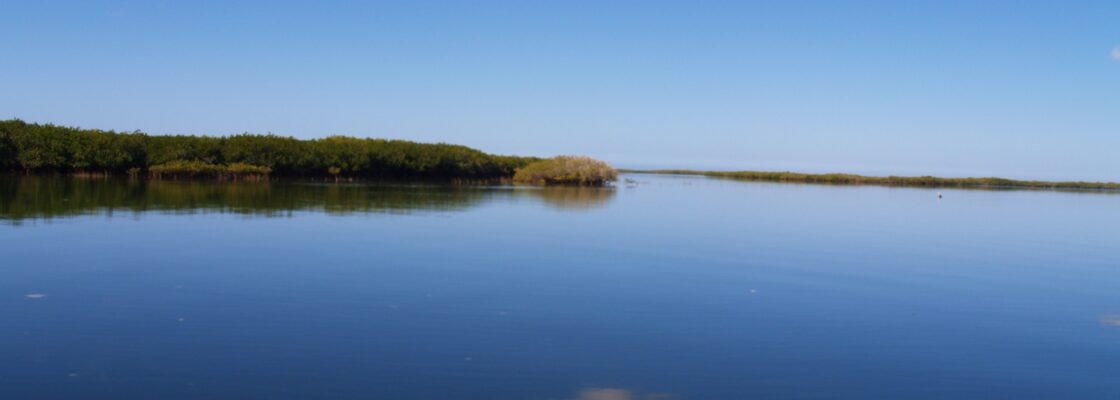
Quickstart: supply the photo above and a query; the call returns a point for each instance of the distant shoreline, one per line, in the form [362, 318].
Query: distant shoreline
[893, 181]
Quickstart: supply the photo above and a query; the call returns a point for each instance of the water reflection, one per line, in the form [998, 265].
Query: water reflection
[572, 198]
[605, 394]
[31, 198]
[619, 394]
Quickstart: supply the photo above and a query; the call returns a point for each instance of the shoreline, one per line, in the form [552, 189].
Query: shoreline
[889, 181]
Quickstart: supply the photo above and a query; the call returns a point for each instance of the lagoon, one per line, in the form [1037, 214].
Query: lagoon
[679, 287]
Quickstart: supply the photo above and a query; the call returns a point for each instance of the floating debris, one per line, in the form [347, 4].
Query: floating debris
[35, 296]
[181, 319]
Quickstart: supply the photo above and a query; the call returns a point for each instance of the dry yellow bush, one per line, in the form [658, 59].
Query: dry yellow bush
[566, 170]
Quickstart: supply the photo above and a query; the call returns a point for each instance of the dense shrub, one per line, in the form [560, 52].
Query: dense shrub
[48, 148]
[7, 151]
[195, 169]
[566, 170]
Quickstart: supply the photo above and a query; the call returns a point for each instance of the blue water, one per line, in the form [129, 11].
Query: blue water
[676, 288]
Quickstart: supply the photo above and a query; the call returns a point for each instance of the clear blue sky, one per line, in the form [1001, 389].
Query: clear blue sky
[1011, 88]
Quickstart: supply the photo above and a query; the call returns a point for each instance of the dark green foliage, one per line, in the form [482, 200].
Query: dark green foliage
[40, 147]
[199, 169]
[48, 148]
[165, 149]
[926, 181]
[270, 151]
[7, 150]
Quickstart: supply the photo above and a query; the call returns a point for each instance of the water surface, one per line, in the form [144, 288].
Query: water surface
[676, 288]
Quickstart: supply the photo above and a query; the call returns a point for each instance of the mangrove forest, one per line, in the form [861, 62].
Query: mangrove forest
[30, 148]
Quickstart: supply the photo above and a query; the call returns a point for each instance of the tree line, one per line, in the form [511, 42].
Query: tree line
[45, 148]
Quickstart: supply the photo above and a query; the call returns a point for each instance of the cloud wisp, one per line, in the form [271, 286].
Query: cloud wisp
[1116, 53]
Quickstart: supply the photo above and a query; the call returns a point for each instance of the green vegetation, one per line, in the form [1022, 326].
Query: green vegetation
[43, 148]
[921, 181]
[193, 169]
[566, 170]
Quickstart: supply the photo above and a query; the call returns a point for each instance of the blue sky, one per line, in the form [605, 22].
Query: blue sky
[1017, 88]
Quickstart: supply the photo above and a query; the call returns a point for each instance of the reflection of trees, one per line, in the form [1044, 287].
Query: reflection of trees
[619, 394]
[605, 394]
[572, 197]
[51, 197]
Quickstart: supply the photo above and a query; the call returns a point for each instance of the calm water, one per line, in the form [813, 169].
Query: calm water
[678, 288]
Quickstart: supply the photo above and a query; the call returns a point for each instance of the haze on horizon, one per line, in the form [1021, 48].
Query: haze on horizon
[1023, 89]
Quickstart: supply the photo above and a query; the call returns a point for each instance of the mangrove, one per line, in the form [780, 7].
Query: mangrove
[31, 148]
